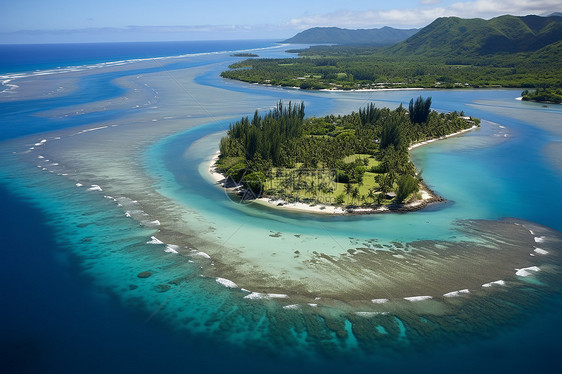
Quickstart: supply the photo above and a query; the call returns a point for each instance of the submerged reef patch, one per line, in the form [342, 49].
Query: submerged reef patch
[368, 300]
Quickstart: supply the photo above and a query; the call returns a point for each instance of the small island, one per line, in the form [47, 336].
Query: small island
[543, 95]
[244, 54]
[355, 163]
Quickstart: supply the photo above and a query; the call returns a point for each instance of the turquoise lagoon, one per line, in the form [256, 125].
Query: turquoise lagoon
[111, 169]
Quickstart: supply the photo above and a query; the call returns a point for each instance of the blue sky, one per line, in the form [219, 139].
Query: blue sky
[44, 21]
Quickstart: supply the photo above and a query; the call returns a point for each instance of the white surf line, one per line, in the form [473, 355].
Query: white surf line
[291, 307]
[490, 284]
[10, 86]
[261, 296]
[379, 301]
[226, 282]
[171, 248]
[418, 298]
[457, 293]
[154, 240]
[525, 272]
[540, 251]
[88, 130]
[8, 77]
[201, 254]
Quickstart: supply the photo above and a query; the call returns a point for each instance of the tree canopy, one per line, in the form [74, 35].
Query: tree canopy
[419, 111]
[361, 152]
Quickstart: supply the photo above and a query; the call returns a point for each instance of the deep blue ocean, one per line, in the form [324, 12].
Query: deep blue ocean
[29, 57]
[54, 319]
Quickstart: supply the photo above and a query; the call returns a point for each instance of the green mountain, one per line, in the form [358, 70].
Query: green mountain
[451, 37]
[451, 52]
[335, 35]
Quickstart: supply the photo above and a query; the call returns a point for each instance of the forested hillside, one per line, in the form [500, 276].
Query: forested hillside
[451, 52]
[451, 37]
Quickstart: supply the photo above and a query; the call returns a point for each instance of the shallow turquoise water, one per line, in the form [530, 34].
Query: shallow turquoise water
[490, 173]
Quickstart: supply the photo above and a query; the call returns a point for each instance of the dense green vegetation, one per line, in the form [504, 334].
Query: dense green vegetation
[453, 37]
[451, 52]
[353, 159]
[355, 71]
[544, 95]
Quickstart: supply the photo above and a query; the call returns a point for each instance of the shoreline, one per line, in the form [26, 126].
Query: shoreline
[425, 142]
[370, 89]
[319, 286]
[383, 88]
[428, 196]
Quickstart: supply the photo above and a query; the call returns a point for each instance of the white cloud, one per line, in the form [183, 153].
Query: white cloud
[485, 8]
[419, 17]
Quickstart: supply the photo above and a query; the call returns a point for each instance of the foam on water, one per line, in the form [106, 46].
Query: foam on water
[154, 223]
[261, 296]
[291, 307]
[490, 284]
[418, 298]
[540, 251]
[10, 87]
[92, 129]
[6, 78]
[226, 282]
[171, 248]
[525, 272]
[351, 271]
[154, 240]
[456, 293]
[379, 301]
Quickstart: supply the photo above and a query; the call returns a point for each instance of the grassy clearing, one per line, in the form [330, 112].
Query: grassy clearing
[320, 186]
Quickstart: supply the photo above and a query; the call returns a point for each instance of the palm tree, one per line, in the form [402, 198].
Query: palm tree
[371, 194]
[379, 198]
[355, 193]
[348, 189]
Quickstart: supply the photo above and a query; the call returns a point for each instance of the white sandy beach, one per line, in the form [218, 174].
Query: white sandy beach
[417, 145]
[370, 89]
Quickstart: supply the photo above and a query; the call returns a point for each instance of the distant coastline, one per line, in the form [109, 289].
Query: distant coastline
[451, 52]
